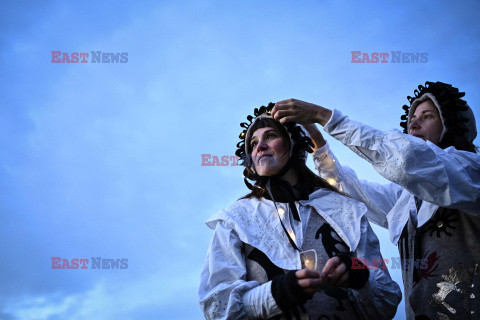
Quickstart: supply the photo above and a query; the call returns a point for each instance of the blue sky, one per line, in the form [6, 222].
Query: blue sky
[103, 160]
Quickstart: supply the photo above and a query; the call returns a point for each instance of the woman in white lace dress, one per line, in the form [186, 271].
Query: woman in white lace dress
[285, 250]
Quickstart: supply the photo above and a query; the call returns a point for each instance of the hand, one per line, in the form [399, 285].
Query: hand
[336, 273]
[301, 112]
[309, 280]
[294, 288]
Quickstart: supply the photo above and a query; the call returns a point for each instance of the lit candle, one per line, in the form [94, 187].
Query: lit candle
[292, 235]
[331, 181]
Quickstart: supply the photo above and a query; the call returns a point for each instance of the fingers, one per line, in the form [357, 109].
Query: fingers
[330, 266]
[339, 276]
[286, 112]
[335, 272]
[307, 273]
[309, 280]
[311, 283]
[280, 113]
[293, 110]
[282, 109]
[288, 101]
[288, 119]
[283, 105]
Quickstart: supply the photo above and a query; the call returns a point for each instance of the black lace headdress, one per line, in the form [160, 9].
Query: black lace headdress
[300, 144]
[457, 117]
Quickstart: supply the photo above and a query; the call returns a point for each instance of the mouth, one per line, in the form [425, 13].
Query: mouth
[264, 157]
[415, 134]
[420, 136]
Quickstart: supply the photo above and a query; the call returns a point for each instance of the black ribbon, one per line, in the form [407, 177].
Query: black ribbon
[281, 191]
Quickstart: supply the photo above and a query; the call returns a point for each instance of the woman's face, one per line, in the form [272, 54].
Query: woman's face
[269, 152]
[426, 123]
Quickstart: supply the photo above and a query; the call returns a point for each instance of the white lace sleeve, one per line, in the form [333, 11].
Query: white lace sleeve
[378, 198]
[224, 292]
[445, 177]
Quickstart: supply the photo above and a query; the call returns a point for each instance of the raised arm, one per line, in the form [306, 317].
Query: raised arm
[377, 197]
[445, 177]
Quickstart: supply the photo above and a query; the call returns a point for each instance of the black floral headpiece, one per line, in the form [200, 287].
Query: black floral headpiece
[457, 116]
[301, 143]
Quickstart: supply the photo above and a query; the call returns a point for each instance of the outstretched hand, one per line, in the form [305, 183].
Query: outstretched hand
[335, 273]
[301, 112]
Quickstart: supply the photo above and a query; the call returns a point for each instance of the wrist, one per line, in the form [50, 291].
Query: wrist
[322, 115]
[287, 292]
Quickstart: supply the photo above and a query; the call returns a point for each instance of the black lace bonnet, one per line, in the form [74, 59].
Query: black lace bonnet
[459, 127]
[300, 144]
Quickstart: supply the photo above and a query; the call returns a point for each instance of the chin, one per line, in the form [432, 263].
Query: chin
[267, 172]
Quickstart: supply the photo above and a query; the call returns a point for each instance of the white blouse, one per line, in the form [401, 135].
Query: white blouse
[224, 292]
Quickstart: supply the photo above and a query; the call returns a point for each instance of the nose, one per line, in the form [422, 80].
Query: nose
[262, 145]
[414, 124]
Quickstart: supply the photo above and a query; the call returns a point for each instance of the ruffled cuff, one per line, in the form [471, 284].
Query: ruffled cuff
[259, 302]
